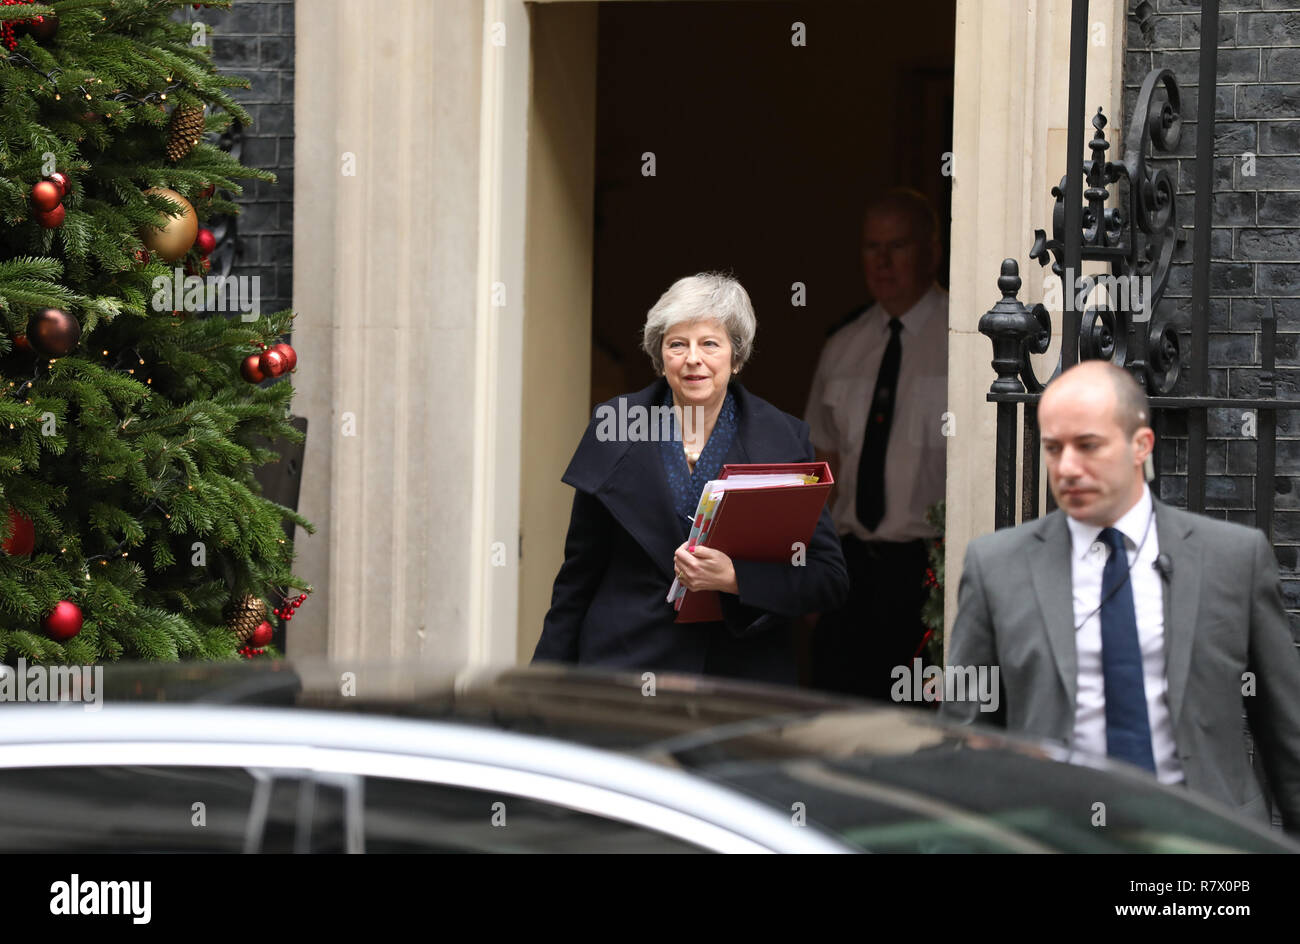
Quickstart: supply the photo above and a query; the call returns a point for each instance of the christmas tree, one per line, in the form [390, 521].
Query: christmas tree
[132, 413]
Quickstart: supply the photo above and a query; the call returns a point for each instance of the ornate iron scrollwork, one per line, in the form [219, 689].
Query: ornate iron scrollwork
[1136, 240]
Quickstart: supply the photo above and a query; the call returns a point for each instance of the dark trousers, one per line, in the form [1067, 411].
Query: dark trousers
[856, 648]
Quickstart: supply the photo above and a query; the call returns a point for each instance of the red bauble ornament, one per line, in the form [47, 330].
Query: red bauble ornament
[273, 363]
[64, 622]
[262, 635]
[141, 256]
[60, 180]
[51, 219]
[46, 195]
[22, 535]
[288, 353]
[23, 344]
[54, 333]
[251, 369]
[206, 241]
[207, 191]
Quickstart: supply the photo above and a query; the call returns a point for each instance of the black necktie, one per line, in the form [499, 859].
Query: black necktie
[871, 466]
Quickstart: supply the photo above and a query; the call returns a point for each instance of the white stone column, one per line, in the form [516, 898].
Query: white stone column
[399, 349]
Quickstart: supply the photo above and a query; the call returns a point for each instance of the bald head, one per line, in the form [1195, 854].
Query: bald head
[1131, 409]
[1094, 426]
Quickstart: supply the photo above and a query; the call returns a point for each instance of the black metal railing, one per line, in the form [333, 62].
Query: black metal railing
[1130, 327]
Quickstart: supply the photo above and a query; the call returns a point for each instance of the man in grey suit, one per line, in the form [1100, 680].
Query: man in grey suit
[1149, 656]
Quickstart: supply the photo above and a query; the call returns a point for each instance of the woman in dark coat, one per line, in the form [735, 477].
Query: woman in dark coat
[636, 494]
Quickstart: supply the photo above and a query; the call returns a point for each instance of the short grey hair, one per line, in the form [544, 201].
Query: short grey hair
[708, 295]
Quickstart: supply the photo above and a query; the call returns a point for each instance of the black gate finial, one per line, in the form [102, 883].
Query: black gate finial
[1016, 332]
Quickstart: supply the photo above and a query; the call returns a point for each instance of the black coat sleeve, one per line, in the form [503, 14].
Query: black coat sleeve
[771, 594]
[587, 549]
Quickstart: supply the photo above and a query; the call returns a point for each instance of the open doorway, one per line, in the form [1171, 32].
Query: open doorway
[745, 137]
[769, 124]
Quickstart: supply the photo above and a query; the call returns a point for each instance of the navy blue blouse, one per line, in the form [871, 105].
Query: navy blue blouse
[683, 484]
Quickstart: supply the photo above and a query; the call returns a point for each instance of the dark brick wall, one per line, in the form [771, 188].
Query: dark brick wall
[1255, 244]
[255, 40]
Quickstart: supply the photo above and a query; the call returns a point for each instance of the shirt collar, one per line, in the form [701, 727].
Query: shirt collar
[1133, 525]
[915, 317]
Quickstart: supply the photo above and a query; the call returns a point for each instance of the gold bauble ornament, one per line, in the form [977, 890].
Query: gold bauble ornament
[177, 237]
[244, 616]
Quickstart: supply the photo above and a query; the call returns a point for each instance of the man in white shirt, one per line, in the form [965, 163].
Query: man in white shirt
[876, 413]
[1126, 628]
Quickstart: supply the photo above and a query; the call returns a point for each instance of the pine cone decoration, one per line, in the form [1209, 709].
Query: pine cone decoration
[245, 616]
[184, 131]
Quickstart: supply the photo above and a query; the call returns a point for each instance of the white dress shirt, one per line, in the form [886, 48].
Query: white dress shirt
[1087, 561]
[916, 457]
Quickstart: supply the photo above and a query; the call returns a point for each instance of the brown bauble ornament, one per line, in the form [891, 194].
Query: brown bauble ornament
[52, 219]
[53, 333]
[290, 355]
[60, 179]
[244, 616]
[251, 369]
[46, 195]
[176, 238]
[272, 363]
[64, 622]
[22, 535]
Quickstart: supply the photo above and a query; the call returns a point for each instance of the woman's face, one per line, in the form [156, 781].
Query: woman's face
[697, 362]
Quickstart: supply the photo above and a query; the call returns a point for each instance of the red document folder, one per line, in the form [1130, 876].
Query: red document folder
[760, 524]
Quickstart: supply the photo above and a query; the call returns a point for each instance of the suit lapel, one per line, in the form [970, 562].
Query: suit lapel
[1181, 599]
[1050, 571]
[637, 495]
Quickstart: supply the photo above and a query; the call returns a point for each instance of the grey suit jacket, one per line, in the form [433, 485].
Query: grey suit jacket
[1223, 619]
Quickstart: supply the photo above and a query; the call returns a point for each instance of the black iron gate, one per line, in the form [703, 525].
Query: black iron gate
[1131, 328]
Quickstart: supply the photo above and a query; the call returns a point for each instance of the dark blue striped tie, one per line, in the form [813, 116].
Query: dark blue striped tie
[1128, 730]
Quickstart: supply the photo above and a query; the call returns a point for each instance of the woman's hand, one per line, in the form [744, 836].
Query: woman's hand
[704, 569]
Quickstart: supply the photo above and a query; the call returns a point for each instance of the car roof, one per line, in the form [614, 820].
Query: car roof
[669, 717]
[787, 747]
[609, 709]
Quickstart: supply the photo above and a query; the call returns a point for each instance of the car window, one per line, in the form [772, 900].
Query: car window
[413, 816]
[988, 801]
[134, 809]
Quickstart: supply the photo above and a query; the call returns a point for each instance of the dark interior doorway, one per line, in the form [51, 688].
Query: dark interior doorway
[764, 153]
